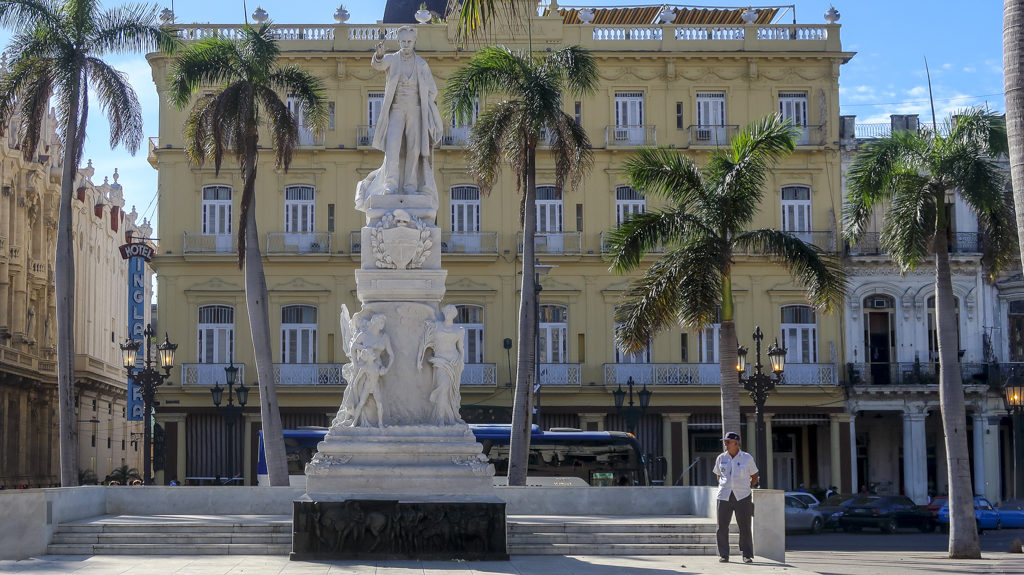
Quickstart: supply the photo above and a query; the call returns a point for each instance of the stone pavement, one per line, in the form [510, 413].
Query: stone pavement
[799, 563]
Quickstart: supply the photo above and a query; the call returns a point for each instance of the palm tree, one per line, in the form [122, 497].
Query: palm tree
[705, 222]
[511, 130]
[56, 52]
[123, 475]
[1013, 82]
[475, 17]
[227, 121]
[87, 477]
[913, 174]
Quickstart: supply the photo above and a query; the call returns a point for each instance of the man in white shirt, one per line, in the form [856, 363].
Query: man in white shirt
[737, 475]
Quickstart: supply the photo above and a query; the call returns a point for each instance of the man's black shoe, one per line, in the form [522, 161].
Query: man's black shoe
[748, 559]
[723, 559]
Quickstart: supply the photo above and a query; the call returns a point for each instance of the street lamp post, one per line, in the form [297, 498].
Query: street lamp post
[1013, 393]
[231, 412]
[631, 413]
[148, 378]
[760, 385]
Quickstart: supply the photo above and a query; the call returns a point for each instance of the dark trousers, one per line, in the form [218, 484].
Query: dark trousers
[744, 509]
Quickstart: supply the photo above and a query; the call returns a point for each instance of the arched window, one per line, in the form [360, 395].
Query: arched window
[628, 202]
[799, 327]
[215, 340]
[933, 336]
[298, 334]
[299, 209]
[471, 318]
[796, 211]
[553, 333]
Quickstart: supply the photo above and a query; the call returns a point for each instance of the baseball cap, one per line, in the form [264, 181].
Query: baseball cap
[731, 435]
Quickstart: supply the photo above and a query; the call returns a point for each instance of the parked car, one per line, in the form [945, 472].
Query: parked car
[986, 516]
[886, 512]
[835, 507]
[807, 498]
[800, 517]
[936, 503]
[1011, 514]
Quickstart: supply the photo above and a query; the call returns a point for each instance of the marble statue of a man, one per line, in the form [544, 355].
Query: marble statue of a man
[408, 127]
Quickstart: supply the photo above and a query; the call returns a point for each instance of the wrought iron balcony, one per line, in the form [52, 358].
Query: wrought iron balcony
[207, 373]
[479, 375]
[559, 374]
[717, 136]
[309, 138]
[956, 243]
[364, 136]
[554, 242]
[622, 135]
[298, 243]
[308, 374]
[209, 243]
[456, 136]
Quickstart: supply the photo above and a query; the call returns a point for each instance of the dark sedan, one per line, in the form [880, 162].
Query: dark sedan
[886, 512]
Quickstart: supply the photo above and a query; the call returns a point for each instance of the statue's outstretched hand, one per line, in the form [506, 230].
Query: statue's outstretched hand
[378, 50]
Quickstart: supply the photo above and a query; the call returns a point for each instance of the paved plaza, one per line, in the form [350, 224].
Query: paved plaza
[798, 563]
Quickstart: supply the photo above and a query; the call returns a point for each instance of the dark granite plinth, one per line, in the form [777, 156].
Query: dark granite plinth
[392, 529]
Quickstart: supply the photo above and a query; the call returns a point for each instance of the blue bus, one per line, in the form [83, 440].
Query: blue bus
[599, 458]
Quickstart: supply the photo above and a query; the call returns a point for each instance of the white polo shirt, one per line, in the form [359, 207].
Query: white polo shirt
[734, 474]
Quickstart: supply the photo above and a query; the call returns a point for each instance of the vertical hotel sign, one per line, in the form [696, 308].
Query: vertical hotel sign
[137, 255]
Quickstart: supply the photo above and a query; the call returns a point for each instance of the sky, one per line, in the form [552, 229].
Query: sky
[961, 41]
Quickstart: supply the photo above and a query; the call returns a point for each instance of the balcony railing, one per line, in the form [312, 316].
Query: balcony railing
[15, 251]
[38, 268]
[209, 243]
[479, 375]
[233, 32]
[554, 242]
[630, 135]
[663, 373]
[957, 243]
[469, 242]
[308, 374]
[712, 135]
[207, 374]
[710, 33]
[298, 243]
[558, 374]
[355, 242]
[455, 135]
[819, 374]
[824, 239]
[309, 138]
[810, 135]
[364, 136]
[627, 33]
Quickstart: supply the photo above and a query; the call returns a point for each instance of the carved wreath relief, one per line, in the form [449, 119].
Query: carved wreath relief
[400, 241]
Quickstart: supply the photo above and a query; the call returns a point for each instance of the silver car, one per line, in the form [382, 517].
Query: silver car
[800, 517]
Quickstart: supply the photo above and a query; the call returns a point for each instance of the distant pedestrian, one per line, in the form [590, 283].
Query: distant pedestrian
[737, 475]
[802, 489]
[831, 491]
[173, 482]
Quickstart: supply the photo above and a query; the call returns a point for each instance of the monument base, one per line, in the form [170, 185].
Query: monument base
[361, 527]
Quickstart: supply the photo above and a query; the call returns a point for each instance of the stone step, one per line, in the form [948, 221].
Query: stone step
[615, 538]
[156, 527]
[614, 549]
[574, 527]
[155, 548]
[171, 538]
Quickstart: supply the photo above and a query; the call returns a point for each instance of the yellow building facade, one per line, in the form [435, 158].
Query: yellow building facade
[689, 84]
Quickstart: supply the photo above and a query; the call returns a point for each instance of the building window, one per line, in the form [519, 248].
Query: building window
[553, 334]
[297, 112]
[933, 337]
[215, 340]
[217, 210]
[298, 334]
[711, 118]
[330, 217]
[707, 340]
[374, 104]
[578, 113]
[471, 319]
[330, 115]
[799, 329]
[679, 115]
[1016, 324]
[793, 107]
[458, 132]
[643, 356]
[628, 202]
[796, 211]
[629, 118]
[299, 206]
[465, 203]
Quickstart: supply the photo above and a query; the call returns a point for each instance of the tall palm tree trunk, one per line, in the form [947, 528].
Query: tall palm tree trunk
[64, 279]
[963, 535]
[730, 382]
[259, 327]
[522, 405]
[1013, 82]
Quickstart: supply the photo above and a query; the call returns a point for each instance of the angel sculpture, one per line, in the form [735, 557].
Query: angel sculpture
[365, 343]
[446, 339]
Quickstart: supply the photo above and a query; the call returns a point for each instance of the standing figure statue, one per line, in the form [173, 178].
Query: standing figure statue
[366, 349]
[446, 339]
[408, 127]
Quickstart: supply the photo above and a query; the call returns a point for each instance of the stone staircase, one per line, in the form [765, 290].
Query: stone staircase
[607, 535]
[271, 535]
[174, 535]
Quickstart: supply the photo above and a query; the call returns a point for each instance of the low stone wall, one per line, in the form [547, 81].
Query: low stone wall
[30, 516]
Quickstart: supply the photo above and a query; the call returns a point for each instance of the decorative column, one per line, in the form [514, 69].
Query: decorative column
[769, 457]
[994, 487]
[854, 485]
[248, 419]
[683, 419]
[979, 425]
[915, 457]
[835, 461]
[750, 439]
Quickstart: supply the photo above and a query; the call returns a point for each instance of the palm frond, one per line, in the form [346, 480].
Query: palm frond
[577, 68]
[308, 91]
[999, 232]
[120, 103]
[284, 130]
[647, 231]
[489, 140]
[982, 126]
[868, 179]
[208, 62]
[475, 17]
[570, 148]
[22, 15]
[666, 173]
[684, 285]
[133, 28]
[198, 131]
[491, 69]
[35, 107]
[909, 225]
[822, 274]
